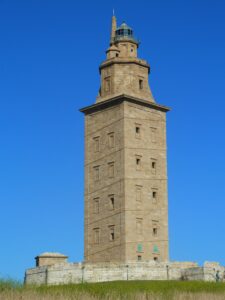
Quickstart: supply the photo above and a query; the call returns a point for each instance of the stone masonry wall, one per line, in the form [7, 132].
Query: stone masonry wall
[104, 161]
[142, 182]
[80, 272]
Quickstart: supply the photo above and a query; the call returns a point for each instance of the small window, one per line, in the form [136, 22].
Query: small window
[111, 139]
[138, 193]
[107, 84]
[154, 196]
[155, 231]
[111, 169]
[153, 135]
[132, 49]
[138, 162]
[155, 258]
[139, 226]
[96, 173]
[153, 166]
[155, 249]
[139, 258]
[96, 144]
[117, 54]
[140, 84]
[96, 205]
[155, 227]
[112, 233]
[137, 131]
[96, 235]
[111, 202]
[139, 248]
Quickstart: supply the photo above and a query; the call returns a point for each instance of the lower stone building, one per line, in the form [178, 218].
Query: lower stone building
[63, 273]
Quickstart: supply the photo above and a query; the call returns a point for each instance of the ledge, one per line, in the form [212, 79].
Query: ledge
[119, 99]
[124, 60]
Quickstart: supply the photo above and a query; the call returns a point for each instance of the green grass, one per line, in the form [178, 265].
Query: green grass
[10, 289]
[131, 287]
[10, 284]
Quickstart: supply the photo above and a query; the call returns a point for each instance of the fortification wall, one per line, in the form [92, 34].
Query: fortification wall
[36, 275]
[100, 272]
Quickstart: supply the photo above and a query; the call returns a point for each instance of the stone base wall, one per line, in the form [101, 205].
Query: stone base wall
[100, 272]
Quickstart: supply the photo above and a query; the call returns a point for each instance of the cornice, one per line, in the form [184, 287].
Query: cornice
[119, 99]
[130, 60]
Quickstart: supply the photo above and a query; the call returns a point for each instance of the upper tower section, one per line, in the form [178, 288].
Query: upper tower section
[123, 73]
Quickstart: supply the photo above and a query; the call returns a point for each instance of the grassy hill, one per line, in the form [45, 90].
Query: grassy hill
[136, 290]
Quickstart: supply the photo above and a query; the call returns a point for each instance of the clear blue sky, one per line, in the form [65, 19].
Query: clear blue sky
[49, 57]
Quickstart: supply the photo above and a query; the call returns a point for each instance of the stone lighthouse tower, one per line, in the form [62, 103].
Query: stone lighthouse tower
[126, 205]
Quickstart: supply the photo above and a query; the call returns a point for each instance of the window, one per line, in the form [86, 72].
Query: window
[155, 249]
[139, 227]
[96, 143]
[111, 169]
[138, 162]
[107, 84]
[138, 131]
[138, 193]
[139, 258]
[139, 248]
[155, 227]
[96, 205]
[111, 139]
[111, 202]
[96, 173]
[155, 258]
[155, 231]
[132, 49]
[111, 232]
[117, 54]
[154, 195]
[140, 84]
[96, 235]
[153, 135]
[100, 91]
[153, 166]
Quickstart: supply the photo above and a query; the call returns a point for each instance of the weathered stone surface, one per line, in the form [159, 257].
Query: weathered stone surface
[125, 162]
[100, 272]
[50, 258]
